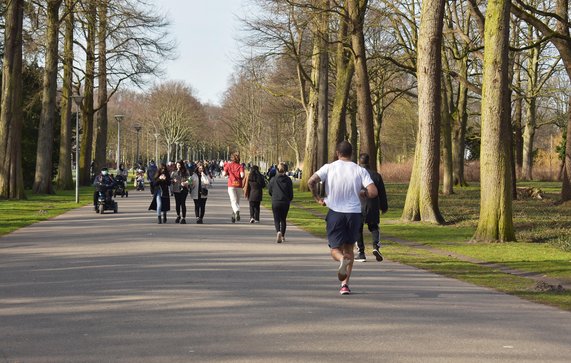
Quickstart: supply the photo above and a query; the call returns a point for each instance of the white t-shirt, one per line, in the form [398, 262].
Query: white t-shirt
[343, 181]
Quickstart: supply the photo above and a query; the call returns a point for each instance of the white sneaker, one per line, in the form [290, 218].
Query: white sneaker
[279, 238]
[342, 271]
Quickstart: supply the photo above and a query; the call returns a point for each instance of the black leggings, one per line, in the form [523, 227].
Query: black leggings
[180, 200]
[280, 214]
[199, 207]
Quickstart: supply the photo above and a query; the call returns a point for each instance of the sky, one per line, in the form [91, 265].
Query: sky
[206, 33]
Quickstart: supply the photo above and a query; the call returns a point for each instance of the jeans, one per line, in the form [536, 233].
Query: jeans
[158, 195]
[180, 200]
[374, 229]
[199, 207]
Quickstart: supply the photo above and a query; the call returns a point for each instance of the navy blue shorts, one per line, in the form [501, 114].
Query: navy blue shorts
[342, 228]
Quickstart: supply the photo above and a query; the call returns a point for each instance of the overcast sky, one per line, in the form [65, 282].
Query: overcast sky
[206, 32]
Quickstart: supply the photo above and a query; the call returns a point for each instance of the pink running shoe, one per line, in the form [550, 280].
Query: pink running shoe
[345, 290]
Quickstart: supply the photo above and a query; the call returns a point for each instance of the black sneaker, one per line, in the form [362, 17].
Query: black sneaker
[233, 218]
[182, 221]
[360, 257]
[238, 216]
[177, 219]
[378, 254]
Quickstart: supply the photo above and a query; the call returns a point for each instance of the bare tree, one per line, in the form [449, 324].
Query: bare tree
[43, 176]
[495, 223]
[422, 196]
[11, 177]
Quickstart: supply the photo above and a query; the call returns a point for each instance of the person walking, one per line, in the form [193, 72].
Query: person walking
[253, 185]
[201, 183]
[179, 182]
[151, 172]
[235, 172]
[370, 208]
[345, 183]
[281, 191]
[161, 199]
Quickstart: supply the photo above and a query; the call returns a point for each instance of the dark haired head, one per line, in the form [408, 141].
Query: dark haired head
[345, 149]
[364, 159]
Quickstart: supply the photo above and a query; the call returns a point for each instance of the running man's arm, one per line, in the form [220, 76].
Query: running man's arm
[312, 185]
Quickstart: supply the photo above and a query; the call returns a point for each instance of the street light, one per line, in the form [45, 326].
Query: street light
[137, 128]
[157, 147]
[78, 99]
[119, 118]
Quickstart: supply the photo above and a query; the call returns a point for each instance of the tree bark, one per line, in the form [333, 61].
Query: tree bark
[64, 178]
[422, 195]
[496, 223]
[344, 76]
[86, 149]
[44, 165]
[11, 118]
[356, 11]
[531, 110]
[447, 165]
[102, 117]
[323, 86]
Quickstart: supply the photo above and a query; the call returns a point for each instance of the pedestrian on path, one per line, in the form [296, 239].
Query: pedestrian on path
[235, 172]
[281, 190]
[345, 183]
[253, 185]
[179, 180]
[161, 199]
[370, 208]
[201, 183]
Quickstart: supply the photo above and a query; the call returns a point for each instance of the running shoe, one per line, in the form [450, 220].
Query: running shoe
[345, 290]
[378, 254]
[252, 220]
[342, 271]
[233, 218]
[279, 238]
[238, 216]
[361, 257]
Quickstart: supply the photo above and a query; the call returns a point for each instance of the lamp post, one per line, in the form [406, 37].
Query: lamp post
[78, 99]
[119, 118]
[137, 128]
[157, 147]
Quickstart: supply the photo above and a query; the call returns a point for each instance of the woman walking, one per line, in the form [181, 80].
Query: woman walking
[179, 179]
[235, 172]
[161, 199]
[201, 182]
[253, 185]
[281, 190]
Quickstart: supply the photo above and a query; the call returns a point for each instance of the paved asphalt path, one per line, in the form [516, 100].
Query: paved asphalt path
[85, 287]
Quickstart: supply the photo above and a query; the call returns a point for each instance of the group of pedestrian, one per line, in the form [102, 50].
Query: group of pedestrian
[354, 194]
[179, 182]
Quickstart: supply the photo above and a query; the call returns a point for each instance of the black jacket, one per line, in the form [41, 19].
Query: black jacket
[281, 189]
[370, 209]
[256, 182]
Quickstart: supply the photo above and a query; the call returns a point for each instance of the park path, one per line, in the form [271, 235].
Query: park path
[84, 287]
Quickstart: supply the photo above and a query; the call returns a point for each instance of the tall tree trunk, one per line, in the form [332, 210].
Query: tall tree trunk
[356, 11]
[64, 177]
[86, 149]
[531, 110]
[11, 118]
[422, 196]
[496, 223]
[102, 117]
[310, 156]
[344, 76]
[517, 125]
[323, 86]
[447, 166]
[44, 165]
[460, 122]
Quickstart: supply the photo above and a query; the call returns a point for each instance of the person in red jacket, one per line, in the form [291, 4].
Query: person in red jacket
[235, 172]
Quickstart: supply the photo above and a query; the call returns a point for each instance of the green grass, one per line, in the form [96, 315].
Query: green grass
[543, 231]
[20, 213]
